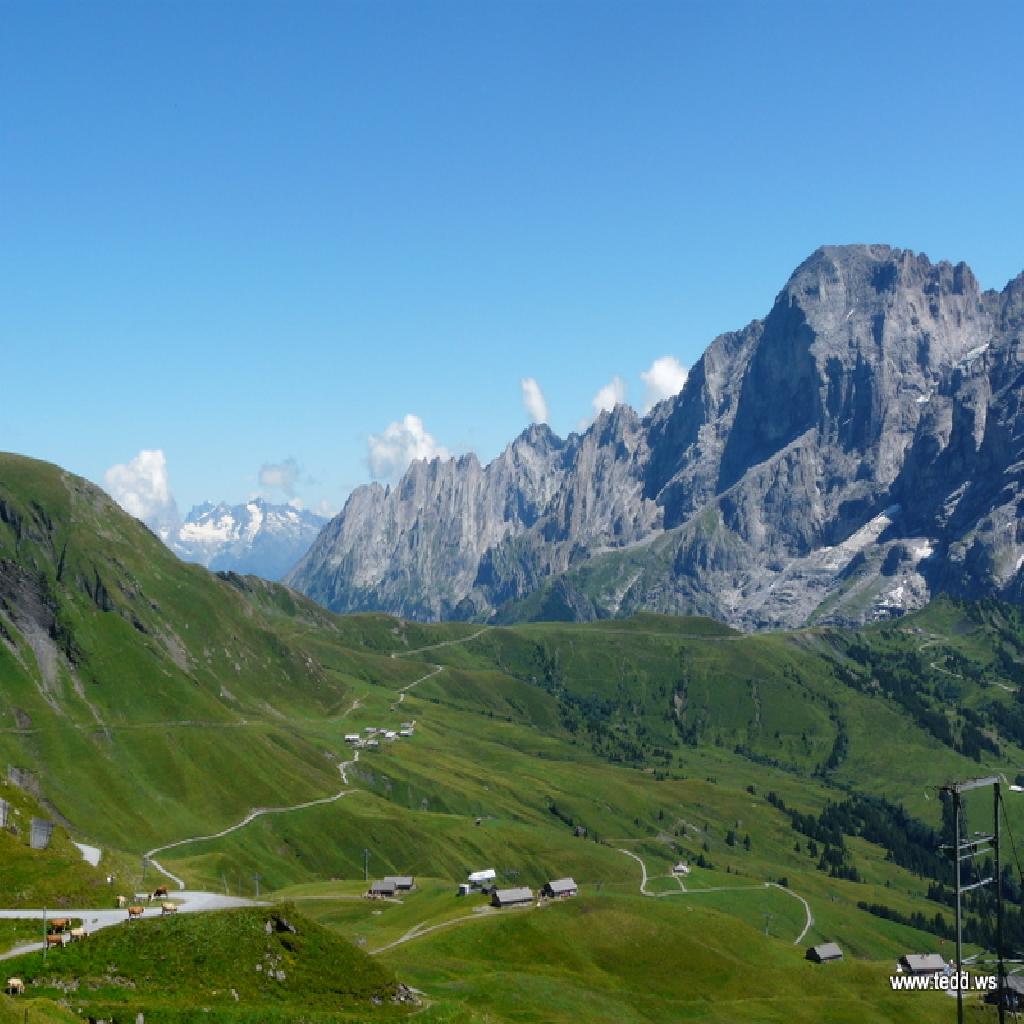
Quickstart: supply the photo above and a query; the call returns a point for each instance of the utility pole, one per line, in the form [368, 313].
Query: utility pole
[366, 865]
[959, 908]
[966, 849]
[45, 943]
[256, 879]
[1000, 965]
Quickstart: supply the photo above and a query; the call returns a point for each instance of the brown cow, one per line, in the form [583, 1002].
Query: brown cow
[168, 908]
[135, 911]
[15, 987]
[58, 924]
[159, 893]
[54, 940]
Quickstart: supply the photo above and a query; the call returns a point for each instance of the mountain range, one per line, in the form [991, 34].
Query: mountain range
[844, 459]
[256, 537]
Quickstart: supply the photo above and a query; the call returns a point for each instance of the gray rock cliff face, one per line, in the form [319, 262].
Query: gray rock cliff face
[853, 453]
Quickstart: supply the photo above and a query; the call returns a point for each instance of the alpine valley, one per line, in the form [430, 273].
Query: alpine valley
[854, 453]
[721, 800]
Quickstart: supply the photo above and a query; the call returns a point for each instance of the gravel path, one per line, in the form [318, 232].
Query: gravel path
[250, 817]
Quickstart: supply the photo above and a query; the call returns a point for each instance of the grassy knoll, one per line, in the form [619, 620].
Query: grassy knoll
[218, 966]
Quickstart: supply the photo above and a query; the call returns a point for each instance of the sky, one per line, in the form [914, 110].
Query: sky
[282, 248]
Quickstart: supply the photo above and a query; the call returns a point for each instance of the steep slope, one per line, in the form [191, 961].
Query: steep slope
[147, 695]
[257, 537]
[804, 472]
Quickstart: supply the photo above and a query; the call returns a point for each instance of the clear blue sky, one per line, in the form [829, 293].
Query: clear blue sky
[242, 232]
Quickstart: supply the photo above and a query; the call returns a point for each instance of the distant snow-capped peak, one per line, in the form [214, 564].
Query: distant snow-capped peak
[254, 537]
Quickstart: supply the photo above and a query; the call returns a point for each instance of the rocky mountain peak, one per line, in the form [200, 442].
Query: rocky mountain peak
[853, 417]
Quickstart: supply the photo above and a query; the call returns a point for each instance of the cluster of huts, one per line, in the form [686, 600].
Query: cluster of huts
[516, 896]
[387, 888]
[483, 882]
[372, 736]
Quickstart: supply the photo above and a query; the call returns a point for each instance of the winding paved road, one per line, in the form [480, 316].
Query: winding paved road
[192, 902]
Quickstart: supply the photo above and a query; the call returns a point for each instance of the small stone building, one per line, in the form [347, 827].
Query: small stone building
[824, 953]
[560, 888]
[511, 897]
[922, 964]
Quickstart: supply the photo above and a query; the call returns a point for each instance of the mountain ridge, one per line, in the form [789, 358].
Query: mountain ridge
[800, 475]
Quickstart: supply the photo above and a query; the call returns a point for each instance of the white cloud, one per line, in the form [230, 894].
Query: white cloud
[664, 379]
[142, 488]
[280, 476]
[533, 400]
[401, 443]
[611, 395]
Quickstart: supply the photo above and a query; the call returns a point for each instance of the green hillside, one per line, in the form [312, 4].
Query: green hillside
[32, 878]
[155, 704]
[612, 960]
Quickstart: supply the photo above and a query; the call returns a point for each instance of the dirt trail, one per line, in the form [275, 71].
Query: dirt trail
[417, 931]
[442, 643]
[809, 923]
[250, 817]
[757, 887]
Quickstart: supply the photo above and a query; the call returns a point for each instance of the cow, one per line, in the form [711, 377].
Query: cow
[59, 924]
[77, 934]
[135, 911]
[168, 908]
[122, 902]
[15, 987]
[54, 940]
[159, 893]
